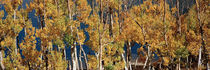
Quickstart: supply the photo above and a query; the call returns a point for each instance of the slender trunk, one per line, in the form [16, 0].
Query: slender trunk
[69, 64]
[1, 60]
[69, 10]
[143, 31]
[130, 66]
[100, 43]
[64, 50]
[205, 56]
[100, 52]
[150, 67]
[80, 51]
[136, 62]
[14, 14]
[16, 43]
[76, 58]
[111, 23]
[73, 63]
[145, 63]
[86, 62]
[178, 15]
[42, 54]
[149, 58]
[16, 38]
[177, 66]
[164, 19]
[127, 51]
[199, 58]
[120, 30]
[80, 58]
[124, 61]
[72, 60]
[128, 55]
[165, 27]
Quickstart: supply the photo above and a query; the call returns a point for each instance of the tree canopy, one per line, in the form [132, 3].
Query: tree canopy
[169, 34]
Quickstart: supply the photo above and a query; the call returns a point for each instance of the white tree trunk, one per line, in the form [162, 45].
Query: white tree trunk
[75, 53]
[100, 58]
[129, 62]
[1, 59]
[64, 53]
[136, 62]
[126, 68]
[112, 21]
[199, 58]
[74, 63]
[80, 58]
[145, 64]
[69, 9]
[85, 57]
[130, 66]
[14, 14]
[177, 66]
[15, 37]
[100, 43]
[148, 56]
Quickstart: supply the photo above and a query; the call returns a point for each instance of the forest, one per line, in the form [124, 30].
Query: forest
[104, 34]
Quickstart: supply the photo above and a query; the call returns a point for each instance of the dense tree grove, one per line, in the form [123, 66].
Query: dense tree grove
[55, 34]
